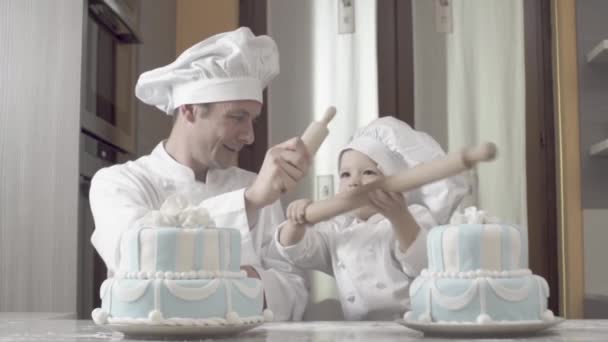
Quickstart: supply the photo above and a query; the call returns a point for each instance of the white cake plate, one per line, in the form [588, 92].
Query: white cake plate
[180, 331]
[497, 329]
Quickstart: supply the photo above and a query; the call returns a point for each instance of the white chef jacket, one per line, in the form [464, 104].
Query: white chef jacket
[122, 194]
[372, 274]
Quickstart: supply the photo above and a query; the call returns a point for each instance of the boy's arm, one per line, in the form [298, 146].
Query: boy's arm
[410, 249]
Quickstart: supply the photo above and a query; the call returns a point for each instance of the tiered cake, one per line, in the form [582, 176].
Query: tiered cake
[476, 274]
[180, 276]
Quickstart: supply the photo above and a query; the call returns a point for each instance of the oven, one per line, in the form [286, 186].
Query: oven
[108, 122]
[109, 106]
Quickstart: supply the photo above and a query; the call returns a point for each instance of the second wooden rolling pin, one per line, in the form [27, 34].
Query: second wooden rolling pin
[402, 181]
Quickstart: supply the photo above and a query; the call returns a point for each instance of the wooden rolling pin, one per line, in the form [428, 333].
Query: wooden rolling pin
[317, 132]
[402, 181]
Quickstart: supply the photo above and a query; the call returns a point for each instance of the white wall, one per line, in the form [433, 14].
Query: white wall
[595, 234]
[290, 96]
[40, 67]
[430, 73]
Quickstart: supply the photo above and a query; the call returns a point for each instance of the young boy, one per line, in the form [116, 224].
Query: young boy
[376, 251]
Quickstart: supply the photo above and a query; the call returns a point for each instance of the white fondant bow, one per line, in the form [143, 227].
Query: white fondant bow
[472, 215]
[176, 211]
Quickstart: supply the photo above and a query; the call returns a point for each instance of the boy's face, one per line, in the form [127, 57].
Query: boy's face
[357, 169]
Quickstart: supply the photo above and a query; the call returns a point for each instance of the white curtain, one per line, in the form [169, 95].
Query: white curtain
[486, 99]
[344, 74]
[319, 68]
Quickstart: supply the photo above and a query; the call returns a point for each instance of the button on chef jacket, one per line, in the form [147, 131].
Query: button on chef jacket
[372, 273]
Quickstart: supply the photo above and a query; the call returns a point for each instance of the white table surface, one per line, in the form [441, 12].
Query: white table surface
[21, 329]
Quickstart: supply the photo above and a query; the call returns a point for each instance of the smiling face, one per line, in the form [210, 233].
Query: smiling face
[218, 134]
[357, 169]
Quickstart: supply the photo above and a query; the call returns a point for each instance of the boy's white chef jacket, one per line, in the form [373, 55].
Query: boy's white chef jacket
[372, 274]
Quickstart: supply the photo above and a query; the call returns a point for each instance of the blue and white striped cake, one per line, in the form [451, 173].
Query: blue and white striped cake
[477, 275]
[148, 250]
[471, 247]
[181, 276]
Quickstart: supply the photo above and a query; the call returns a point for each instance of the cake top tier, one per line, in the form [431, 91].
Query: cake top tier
[470, 247]
[200, 252]
[177, 212]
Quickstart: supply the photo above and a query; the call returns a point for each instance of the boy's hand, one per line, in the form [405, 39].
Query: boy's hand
[391, 205]
[296, 211]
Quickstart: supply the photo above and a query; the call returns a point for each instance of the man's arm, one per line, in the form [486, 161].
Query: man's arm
[117, 202]
[285, 286]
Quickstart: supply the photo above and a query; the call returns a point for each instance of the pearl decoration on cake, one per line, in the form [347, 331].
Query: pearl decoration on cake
[232, 317]
[484, 319]
[99, 316]
[425, 317]
[155, 316]
[160, 275]
[548, 316]
[191, 275]
[268, 315]
[480, 273]
[168, 275]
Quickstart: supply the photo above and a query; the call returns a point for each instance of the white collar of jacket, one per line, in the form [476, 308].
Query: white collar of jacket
[351, 220]
[169, 167]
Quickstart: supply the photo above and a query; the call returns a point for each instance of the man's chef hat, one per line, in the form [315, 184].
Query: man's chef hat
[395, 146]
[229, 66]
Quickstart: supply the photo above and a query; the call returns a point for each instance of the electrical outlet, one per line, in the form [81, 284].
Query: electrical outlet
[346, 16]
[443, 16]
[325, 187]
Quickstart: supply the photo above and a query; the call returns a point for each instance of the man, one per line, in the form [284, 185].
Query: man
[214, 90]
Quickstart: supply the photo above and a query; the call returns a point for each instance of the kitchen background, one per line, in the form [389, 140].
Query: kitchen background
[67, 108]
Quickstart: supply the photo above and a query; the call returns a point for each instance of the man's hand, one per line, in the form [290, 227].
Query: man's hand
[284, 165]
[252, 273]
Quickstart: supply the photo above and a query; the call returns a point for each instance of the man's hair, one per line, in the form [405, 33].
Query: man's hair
[204, 107]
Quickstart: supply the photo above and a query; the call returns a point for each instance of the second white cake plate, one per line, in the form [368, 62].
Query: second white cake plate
[181, 331]
[482, 330]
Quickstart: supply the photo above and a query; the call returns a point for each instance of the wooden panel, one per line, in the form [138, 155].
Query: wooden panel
[571, 264]
[540, 146]
[395, 59]
[157, 26]
[200, 19]
[40, 68]
[252, 13]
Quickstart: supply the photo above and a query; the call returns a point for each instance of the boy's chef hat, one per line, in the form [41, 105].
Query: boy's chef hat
[395, 146]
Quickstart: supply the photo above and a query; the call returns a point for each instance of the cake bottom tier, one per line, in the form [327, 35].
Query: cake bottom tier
[479, 300]
[180, 302]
